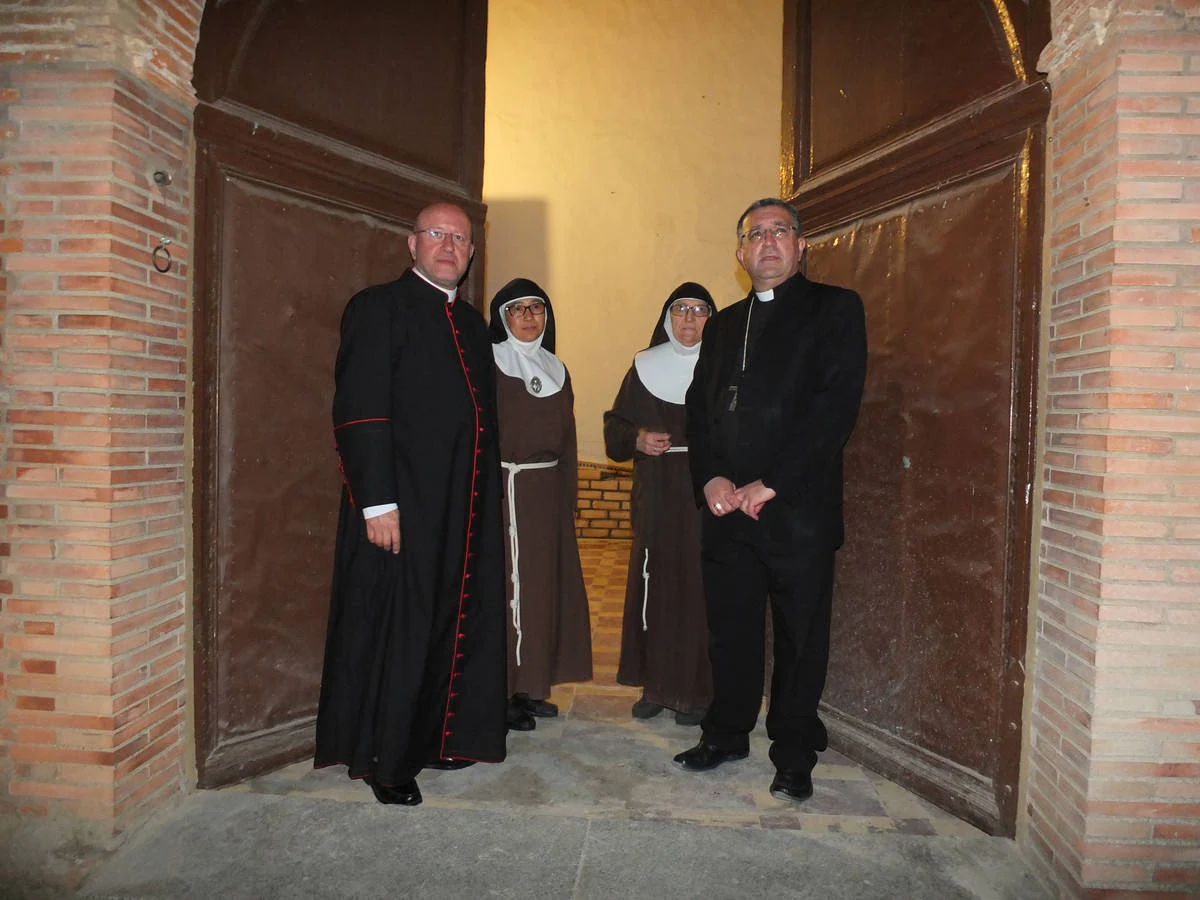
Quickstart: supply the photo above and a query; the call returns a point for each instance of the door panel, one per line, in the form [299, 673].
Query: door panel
[933, 467]
[401, 80]
[882, 69]
[309, 179]
[278, 491]
[929, 204]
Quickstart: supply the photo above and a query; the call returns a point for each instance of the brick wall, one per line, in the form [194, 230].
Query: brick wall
[93, 360]
[1113, 787]
[603, 509]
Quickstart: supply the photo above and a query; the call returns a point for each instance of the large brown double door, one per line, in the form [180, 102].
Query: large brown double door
[914, 146]
[323, 128]
[916, 155]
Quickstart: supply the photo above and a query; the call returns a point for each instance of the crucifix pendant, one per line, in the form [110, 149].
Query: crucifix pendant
[733, 394]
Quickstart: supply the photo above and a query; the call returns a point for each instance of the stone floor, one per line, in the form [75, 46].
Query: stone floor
[596, 761]
[586, 806]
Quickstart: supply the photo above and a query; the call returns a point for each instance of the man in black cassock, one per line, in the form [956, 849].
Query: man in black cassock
[771, 405]
[414, 671]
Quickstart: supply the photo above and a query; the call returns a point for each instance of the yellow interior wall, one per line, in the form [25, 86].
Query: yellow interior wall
[622, 140]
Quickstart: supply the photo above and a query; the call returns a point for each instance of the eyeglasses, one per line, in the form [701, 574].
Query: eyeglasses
[536, 309]
[681, 308]
[758, 235]
[437, 235]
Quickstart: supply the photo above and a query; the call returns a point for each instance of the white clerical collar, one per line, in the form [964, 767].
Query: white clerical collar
[765, 296]
[450, 295]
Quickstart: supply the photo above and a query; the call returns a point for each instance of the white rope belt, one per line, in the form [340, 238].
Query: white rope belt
[513, 540]
[646, 561]
[645, 586]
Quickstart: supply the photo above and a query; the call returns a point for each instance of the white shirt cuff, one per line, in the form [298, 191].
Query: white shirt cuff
[371, 512]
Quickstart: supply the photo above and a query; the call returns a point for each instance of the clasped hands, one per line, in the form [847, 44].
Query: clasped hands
[723, 497]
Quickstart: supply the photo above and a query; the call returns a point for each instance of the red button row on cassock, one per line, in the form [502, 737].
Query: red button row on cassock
[473, 514]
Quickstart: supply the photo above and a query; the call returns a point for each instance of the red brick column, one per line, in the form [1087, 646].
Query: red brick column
[1113, 781]
[96, 98]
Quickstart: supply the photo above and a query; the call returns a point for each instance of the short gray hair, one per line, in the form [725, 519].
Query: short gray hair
[770, 201]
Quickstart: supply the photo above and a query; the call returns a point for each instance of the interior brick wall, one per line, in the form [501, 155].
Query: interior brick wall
[603, 510]
[95, 97]
[1113, 787]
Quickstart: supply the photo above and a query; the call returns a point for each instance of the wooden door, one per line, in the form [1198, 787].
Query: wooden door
[324, 127]
[915, 147]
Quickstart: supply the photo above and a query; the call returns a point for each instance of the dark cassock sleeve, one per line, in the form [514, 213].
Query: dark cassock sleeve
[362, 401]
[620, 429]
[699, 414]
[814, 438]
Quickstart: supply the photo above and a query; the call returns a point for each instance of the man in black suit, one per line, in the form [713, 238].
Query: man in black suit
[772, 403]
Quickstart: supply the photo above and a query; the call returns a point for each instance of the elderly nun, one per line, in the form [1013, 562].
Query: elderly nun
[664, 634]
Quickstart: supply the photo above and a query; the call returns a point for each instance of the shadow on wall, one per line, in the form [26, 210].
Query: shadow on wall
[516, 244]
[743, 282]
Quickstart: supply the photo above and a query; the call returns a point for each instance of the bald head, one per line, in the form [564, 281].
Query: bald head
[441, 245]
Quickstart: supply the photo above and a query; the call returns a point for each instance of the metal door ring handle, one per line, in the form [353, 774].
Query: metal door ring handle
[161, 257]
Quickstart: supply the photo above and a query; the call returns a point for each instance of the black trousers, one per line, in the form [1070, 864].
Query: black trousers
[740, 576]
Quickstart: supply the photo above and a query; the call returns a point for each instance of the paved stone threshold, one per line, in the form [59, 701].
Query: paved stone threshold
[598, 763]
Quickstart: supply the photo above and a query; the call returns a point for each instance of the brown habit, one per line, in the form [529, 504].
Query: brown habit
[664, 634]
[555, 640]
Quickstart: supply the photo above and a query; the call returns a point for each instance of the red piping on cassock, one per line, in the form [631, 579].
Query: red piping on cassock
[341, 466]
[471, 514]
[360, 421]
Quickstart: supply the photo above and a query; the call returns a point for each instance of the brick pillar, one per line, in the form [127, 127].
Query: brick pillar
[1113, 786]
[95, 97]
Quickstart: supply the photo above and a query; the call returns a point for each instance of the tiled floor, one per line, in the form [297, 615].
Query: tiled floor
[596, 761]
[605, 564]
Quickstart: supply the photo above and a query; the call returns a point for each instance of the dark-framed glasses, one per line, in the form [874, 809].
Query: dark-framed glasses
[778, 232]
[535, 308]
[681, 308]
[437, 235]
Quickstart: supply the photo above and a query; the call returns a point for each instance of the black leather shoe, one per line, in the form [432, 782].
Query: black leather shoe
[792, 784]
[705, 756]
[519, 720]
[695, 717]
[450, 765]
[407, 794]
[543, 709]
[646, 709]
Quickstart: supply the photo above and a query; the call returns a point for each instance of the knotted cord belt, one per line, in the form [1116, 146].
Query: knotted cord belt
[514, 540]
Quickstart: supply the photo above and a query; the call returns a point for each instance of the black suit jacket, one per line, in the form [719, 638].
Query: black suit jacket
[796, 405]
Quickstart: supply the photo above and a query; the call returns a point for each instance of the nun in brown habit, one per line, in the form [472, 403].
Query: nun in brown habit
[664, 634]
[549, 632]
